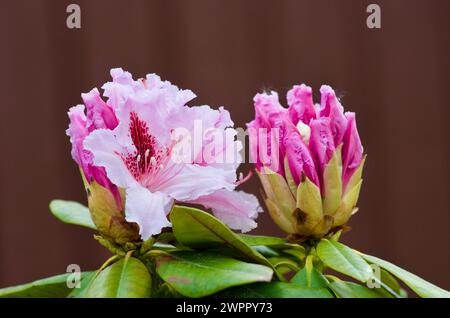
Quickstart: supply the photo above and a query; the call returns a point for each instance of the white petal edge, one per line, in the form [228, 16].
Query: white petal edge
[105, 149]
[148, 209]
[236, 209]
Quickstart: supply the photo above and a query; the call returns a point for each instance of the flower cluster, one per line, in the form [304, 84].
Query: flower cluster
[309, 158]
[125, 148]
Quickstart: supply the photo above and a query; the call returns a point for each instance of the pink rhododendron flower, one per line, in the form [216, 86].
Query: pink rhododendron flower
[313, 176]
[139, 142]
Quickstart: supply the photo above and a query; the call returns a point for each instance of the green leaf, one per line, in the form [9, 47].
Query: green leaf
[309, 277]
[127, 278]
[275, 290]
[266, 251]
[297, 253]
[352, 290]
[198, 229]
[389, 285]
[72, 212]
[51, 287]
[315, 279]
[254, 240]
[84, 284]
[420, 286]
[198, 274]
[285, 264]
[344, 260]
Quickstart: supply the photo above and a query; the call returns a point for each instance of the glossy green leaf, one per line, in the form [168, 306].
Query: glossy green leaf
[275, 290]
[198, 229]
[419, 285]
[309, 277]
[352, 290]
[51, 287]
[84, 284]
[389, 285]
[127, 278]
[314, 280]
[198, 274]
[266, 251]
[254, 240]
[344, 260]
[286, 264]
[297, 253]
[72, 212]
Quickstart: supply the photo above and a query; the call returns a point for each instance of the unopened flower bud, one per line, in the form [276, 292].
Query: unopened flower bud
[317, 189]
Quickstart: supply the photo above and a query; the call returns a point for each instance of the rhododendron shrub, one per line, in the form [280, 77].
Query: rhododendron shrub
[148, 160]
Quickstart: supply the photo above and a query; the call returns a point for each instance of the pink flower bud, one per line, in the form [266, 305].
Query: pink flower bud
[321, 158]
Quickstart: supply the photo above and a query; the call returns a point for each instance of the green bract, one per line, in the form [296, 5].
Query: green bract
[304, 211]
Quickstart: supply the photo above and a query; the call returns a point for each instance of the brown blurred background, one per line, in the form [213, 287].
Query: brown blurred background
[396, 78]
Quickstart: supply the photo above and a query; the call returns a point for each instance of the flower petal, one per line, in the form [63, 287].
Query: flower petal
[148, 209]
[352, 151]
[77, 132]
[300, 159]
[267, 131]
[107, 153]
[193, 181]
[237, 209]
[330, 107]
[99, 114]
[321, 141]
[301, 106]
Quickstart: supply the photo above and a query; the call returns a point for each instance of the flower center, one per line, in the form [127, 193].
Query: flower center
[148, 157]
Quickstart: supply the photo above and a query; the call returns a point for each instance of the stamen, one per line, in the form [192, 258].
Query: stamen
[244, 179]
[138, 160]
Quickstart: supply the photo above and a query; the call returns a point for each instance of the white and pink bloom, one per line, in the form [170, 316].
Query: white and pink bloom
[309, 158]
[130, 144]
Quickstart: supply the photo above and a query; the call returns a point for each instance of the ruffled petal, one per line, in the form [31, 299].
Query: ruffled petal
[300, 159]
[237, 209]
[352, 151]
[208, 137]
[321, 141]
[99, 114]
[267, 132]
[179, 97]
[148, 209]
[331, 108]
[301, 106]
[77, 132]
[193, 181]
[108, 153]
[267, 105]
